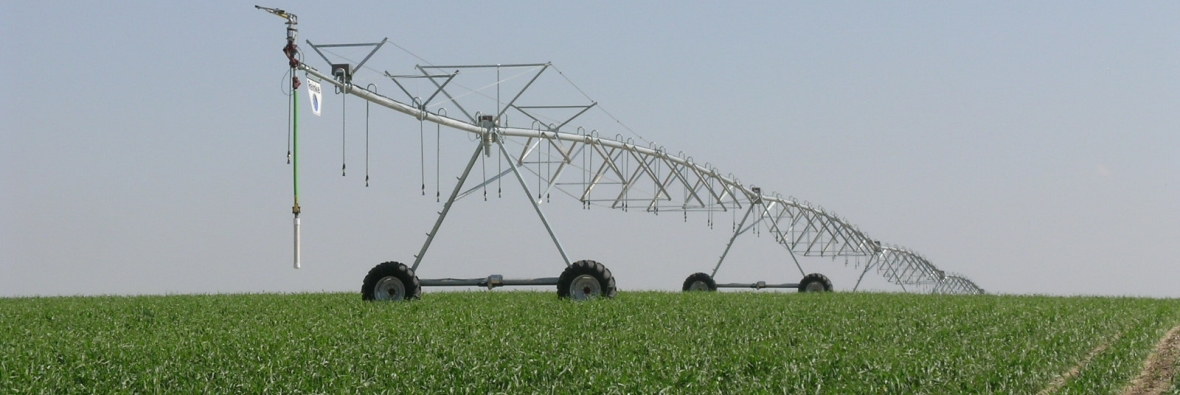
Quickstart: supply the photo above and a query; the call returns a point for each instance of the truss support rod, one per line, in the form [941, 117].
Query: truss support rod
[529, 194]
[890, 269]
[447, 207]
[779, 234]
[370, 55]
[526, 87]
[868, 266]
[893, 272]
[793, 258]
[561, 167]
[483, 184]
[675, 170]
[736, 232]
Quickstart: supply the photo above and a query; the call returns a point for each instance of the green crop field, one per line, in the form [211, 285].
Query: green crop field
[531, 342]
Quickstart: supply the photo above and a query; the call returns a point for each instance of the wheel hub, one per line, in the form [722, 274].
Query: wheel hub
[389, 288]
[585, 287]
[698, 286]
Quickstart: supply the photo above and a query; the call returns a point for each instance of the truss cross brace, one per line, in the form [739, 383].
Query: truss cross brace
[781, 238]
[447, 207]
[536, 206]
[736, 232]
[868, 266]
[742, 228]
[442, 215]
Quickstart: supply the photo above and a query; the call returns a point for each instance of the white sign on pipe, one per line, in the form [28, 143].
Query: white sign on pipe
[313, 91]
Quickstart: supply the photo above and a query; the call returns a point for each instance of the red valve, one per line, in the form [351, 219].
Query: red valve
[290, 50]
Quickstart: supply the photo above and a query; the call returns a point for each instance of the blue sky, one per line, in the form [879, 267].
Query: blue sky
[1028, 146]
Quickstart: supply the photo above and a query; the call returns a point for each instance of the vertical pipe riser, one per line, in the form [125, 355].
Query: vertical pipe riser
[296, 241]
[295, 166]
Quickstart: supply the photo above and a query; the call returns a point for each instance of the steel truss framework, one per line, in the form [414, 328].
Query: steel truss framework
[621, 174]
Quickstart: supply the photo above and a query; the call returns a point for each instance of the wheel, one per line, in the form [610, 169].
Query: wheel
[391, 281]
[586, 280]
[699, 282]
[815, 282]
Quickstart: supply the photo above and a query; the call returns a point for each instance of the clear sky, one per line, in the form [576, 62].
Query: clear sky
[1030, 146]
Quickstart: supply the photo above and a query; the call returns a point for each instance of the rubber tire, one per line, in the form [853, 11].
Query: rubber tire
[815, 277]
[395, 269]
[606, 281]
[700, 277]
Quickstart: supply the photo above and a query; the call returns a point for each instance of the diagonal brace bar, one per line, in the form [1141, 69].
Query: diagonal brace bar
[447, 207]
[737, 232]
[774, 227]
[868, 266]
[529, 194]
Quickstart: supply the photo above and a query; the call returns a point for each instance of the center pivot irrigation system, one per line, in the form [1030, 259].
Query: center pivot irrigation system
[611, 172]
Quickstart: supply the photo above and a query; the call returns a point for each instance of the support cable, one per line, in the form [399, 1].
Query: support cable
[712, 203]
[657, 186]
[483, 164]
[374, 89]
[549, 165]
[499, 84]
[501, 121]
[499, 170]
[437, 156]
[290, 106]
[627, 183]
[604, 111]
[499, 158]
[422, 153]
[685, 196]
[585, 169]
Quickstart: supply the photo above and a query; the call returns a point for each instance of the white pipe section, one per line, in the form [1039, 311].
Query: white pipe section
[296, 241]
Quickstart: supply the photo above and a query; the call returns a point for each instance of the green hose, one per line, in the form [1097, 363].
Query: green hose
[295, 154]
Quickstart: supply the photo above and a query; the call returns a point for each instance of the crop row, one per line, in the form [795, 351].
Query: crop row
[531, 342]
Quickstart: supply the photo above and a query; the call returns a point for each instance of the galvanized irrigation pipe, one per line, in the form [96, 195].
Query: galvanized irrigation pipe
[865, 247]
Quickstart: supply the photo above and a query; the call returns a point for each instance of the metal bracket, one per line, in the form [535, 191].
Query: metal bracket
[343, 71]
[438, 87]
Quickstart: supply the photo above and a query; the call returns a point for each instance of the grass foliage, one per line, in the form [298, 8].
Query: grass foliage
[531, 342]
